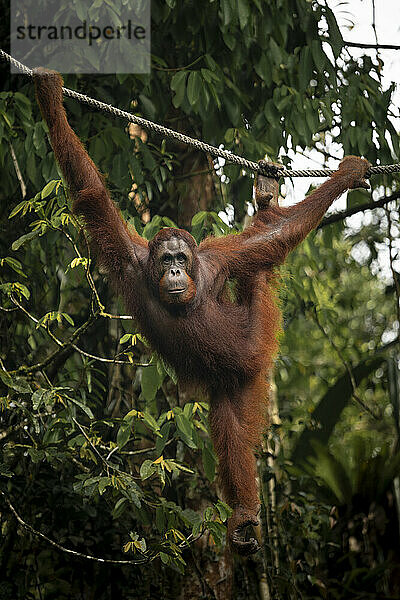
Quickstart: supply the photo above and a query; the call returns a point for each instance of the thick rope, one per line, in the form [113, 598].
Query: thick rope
[185, 139]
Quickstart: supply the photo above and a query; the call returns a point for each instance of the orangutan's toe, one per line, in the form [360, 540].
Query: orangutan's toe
[243, 541]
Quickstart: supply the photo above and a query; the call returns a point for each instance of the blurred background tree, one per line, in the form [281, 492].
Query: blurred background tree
[101, 451]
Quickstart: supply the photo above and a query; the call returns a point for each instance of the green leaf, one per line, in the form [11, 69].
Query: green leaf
[15, 288]
[178, 85]
[224, 510]
[209, 463]
[5, 471]
[161, 521]
[199, 217]
[305, 68]
[318, 55]
[164, 558]
[169, 222]
[169, 371]
[14, 264]
[151, 381]
[147, 469]
[136, 169]
[18, 384]
[23, 103]
[217, 531]
[184, 427]
[227, 12]
[151, 422]
[335, 37]
[36, 455]
[120, 507]
[6, 379]
[193, 88]
[20, 207]
[37, 398]
[148, 159]
[152, 227]
[127, 337]
[332, 472]
[24, 239]
[243, 12]
[68, 318]
[191, 517]
[276, 52]
[263, 69]
[103, 483]
[46, 191]
[85, 408]
[208, 514]
[124, 433]
[163, 439]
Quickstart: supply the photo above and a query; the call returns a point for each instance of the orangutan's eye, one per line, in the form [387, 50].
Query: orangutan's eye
[181, 258]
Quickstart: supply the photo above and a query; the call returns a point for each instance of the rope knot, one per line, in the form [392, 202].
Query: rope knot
[269, 169]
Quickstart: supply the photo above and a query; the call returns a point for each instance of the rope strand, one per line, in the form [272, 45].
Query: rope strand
[230, 157]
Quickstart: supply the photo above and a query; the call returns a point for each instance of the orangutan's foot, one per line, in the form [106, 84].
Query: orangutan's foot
[241, 533]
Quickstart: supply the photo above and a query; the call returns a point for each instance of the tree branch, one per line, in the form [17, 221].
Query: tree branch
[64, 345]
[343, 214]
[142, 561]
[372, 46]
[29, 528]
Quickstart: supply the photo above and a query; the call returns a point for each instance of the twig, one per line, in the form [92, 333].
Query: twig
[109, 360]
[172, 70]
[37, 533]
[87, 269]
[18, 172]
[89, 441]
[145, 450]
[88, 274]
[63, 345]
[134, 452]
[109, 316]
[107, 465]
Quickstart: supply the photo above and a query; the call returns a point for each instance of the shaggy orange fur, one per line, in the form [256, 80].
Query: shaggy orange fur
[224, 344]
